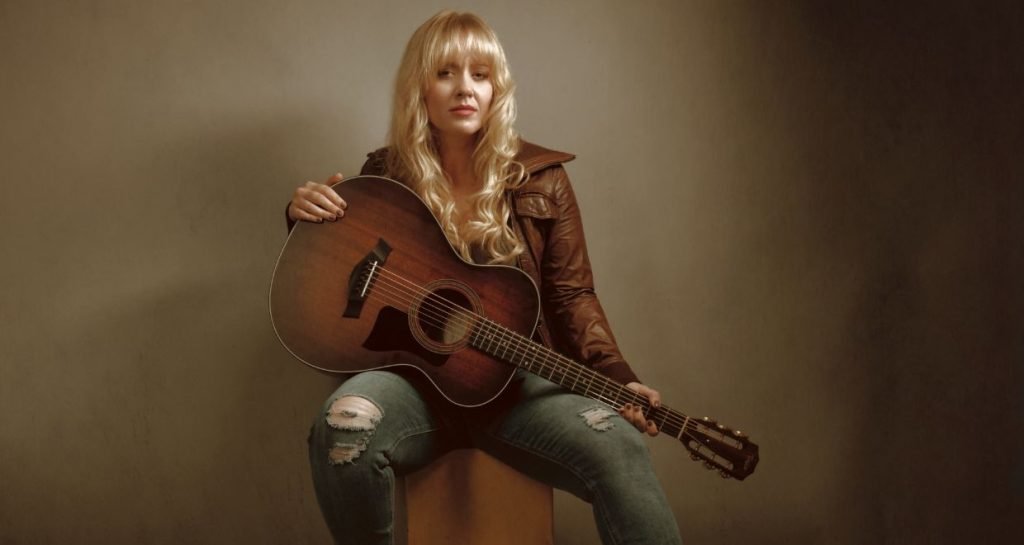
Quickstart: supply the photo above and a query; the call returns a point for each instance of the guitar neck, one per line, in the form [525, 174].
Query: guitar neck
[511, 347]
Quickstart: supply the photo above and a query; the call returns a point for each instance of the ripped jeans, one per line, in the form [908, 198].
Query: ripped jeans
[378, 425]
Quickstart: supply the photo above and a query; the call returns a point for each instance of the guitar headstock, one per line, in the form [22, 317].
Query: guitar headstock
[730, 452]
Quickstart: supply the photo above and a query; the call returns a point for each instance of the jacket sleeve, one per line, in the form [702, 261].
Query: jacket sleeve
[578, 325]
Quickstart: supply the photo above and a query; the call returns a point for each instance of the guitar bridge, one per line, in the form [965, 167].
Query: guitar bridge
[360, 280]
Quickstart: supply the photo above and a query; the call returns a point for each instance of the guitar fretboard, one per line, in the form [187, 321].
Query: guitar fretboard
[511, 347]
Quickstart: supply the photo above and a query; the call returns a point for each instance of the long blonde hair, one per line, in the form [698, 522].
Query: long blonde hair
[414, 156]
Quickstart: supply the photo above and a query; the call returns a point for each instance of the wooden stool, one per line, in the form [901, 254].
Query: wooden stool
[468, 497]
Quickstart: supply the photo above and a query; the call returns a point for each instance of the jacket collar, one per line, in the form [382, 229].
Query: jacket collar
[535, 158]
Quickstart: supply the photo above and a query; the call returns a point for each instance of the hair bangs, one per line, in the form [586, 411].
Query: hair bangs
[460, 37]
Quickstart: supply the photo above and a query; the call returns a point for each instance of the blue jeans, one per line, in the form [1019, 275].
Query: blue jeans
[378, 425]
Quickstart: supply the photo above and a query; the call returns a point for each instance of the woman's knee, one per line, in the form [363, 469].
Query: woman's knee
[352, 420]
[365, 417]
[613, 446]
[349, 417]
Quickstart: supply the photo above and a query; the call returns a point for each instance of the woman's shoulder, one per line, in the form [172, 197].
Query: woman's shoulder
[376, 163]
[544, 169]
[536, 158]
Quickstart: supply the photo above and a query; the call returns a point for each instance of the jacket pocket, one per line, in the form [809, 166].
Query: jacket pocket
[535, 205]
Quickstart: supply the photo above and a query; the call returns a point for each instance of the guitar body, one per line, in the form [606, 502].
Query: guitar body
[412, 319]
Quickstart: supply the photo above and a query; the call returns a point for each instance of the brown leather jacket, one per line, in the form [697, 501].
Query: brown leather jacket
[548, 221]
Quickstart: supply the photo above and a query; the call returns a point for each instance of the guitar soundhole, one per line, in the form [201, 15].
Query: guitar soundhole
[442, 319]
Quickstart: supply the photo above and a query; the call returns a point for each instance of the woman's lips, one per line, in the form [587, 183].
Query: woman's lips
[463, 110]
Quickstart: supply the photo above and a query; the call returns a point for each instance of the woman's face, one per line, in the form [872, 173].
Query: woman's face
[459, 97]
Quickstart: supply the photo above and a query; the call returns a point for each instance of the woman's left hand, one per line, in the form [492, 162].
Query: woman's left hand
[635, 413]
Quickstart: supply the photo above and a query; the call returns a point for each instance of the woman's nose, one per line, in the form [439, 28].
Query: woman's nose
[465, 87]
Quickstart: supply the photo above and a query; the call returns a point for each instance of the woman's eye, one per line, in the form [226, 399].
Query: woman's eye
[481, 75]
[444, 73]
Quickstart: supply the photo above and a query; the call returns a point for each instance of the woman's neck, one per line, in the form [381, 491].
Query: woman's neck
[457, 161]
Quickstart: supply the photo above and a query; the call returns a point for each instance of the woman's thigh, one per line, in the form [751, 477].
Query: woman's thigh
[566, 440]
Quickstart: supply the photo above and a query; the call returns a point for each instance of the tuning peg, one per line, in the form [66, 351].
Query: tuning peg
[721, 426]
[738, 433]
[694, 457]
[724, 474]
[709, 465]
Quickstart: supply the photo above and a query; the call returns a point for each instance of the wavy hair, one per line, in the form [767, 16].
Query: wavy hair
[414, 156]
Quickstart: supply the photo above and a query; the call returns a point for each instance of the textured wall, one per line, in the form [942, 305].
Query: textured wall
[804, 219]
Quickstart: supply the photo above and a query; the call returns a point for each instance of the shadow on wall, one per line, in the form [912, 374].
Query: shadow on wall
[190, 403]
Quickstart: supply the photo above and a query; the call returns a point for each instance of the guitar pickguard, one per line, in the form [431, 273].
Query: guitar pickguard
[391, 333]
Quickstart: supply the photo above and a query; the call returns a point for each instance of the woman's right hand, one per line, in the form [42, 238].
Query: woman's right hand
[317, 202]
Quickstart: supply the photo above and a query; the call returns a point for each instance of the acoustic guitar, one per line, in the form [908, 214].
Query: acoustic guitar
[384, 288]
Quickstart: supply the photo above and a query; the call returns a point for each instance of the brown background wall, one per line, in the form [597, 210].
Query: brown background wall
[804, 219]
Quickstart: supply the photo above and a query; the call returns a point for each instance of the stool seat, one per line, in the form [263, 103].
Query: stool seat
[468, 497]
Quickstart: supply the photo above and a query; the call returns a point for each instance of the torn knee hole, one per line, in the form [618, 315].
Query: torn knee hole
[355, 413]
[352, 413]
[598, 418]
[345, 453]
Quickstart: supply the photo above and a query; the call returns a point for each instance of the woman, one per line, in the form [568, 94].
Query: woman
[499, 200]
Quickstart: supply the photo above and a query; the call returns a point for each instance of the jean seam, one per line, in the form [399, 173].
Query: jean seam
[405, 436]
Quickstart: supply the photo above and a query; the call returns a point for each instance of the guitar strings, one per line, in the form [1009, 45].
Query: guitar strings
[685, 424]
[443, 311]
[455, 313]
[458, 313]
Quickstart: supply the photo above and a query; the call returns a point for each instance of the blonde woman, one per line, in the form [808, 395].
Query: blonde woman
[499, 200]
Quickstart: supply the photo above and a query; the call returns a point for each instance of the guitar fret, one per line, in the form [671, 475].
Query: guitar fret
[561, 373]
[490, 340]
[474, 335]
[562, 376]
[615, 397]
[494, 340]
[532, 352]
[487, 341]
[504, 345]
[517, 350]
